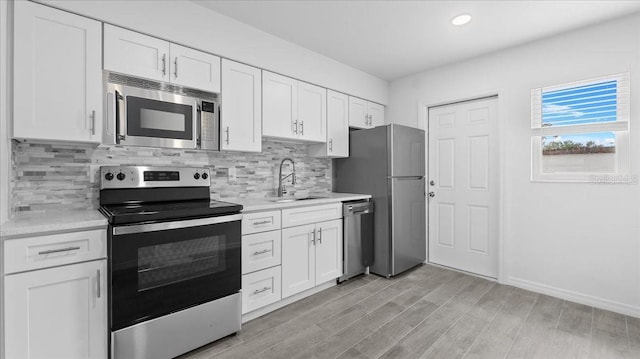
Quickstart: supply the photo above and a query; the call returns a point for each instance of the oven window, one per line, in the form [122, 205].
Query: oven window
[159, 119]
[170, 263]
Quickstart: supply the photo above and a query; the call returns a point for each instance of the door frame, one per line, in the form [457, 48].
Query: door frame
[423, 122]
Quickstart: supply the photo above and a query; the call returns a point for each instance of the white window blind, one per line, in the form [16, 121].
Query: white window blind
[581, 129]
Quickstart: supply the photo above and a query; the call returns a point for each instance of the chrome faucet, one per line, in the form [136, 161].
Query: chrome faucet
[281, 189]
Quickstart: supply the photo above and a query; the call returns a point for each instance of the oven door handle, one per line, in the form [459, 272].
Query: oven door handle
[151, 227]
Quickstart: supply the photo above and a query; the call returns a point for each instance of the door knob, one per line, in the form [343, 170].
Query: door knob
[432, 194]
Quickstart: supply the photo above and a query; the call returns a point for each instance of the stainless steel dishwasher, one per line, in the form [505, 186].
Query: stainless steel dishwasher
[357, 253]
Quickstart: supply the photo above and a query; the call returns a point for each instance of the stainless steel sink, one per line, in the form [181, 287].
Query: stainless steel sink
[295, 199]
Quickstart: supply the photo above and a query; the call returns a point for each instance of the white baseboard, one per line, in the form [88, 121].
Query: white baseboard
[577, 297]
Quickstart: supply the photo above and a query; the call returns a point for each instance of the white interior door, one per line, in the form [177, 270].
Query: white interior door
[462, 181]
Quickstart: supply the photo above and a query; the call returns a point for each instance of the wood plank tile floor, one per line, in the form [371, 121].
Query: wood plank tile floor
[430, 312]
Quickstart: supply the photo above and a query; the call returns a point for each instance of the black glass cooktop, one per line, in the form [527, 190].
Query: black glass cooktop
[158, 211]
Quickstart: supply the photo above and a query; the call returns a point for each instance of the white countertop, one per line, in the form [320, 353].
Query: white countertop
[26, 224]
[264, 204]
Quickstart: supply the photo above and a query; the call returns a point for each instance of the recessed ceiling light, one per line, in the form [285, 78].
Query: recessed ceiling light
[461, 19]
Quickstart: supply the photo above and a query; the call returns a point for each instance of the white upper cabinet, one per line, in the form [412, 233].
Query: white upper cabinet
[57, 75]
[131, 53]
[312, 112]
[194, 69]
[279, 106]
[337, 144]
[241, 108]
[365, 114]
[292, 109]
[376, 114]
[358, 113]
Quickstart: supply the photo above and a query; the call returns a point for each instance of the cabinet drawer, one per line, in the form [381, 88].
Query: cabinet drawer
[30, 253]
[260, 222]
[260, 251]
[312, 214]
[260, 289]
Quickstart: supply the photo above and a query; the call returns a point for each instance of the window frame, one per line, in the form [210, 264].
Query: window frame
[620, 127]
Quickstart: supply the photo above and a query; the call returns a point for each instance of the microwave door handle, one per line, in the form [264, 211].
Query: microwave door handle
[199, 125]
[119, 111]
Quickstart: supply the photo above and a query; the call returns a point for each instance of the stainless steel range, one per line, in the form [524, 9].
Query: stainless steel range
[174, 261]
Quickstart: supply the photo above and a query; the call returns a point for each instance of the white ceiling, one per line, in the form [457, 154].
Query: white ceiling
[392, 39]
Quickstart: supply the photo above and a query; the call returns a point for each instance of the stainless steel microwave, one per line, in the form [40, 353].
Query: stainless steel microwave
[156, 116]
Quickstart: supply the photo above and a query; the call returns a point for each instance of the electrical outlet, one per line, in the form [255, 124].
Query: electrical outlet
[231, 174]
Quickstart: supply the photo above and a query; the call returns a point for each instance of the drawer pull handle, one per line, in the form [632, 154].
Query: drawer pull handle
[258, 291]
[42, 253]
[261, 222]
[261, 252]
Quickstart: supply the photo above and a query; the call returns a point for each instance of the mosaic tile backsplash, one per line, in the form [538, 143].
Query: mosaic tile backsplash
[55, 176]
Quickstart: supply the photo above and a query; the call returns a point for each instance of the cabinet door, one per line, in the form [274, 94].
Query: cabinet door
[58, 312]
[358, 113]
[376, 114]
[57, 75]
[328, 251]
[298, 259]
[131, 53]
[194, 69]
[312, 112]
[337, 124]
[241, 108]
[279, 106]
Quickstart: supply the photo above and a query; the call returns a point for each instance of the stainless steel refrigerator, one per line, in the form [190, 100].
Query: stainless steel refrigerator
[388, 162]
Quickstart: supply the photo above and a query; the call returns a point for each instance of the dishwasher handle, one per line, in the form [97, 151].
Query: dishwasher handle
[357, 208]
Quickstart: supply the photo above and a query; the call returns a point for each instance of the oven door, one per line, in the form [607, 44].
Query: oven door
[161, 268]
[152, 118]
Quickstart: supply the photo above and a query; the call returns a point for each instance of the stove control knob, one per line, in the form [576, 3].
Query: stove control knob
[204, 176]
[120, 176]
[196, 175]
[108, 176]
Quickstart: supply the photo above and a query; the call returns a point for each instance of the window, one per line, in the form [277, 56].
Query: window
[580, 131]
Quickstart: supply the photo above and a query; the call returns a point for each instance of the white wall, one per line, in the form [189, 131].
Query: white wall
[189, 24]
[5, 145]
[576, 241]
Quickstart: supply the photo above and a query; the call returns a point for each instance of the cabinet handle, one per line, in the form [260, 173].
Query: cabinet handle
[93, 122]
[164, 64]
[302, 128]
[98, 280]
[331, 145]
[261, 252]
[320, 236]
[258, 291]
[261, 222]
[227, 131]
[42, 253]
[295, 127]
[175, 68]
[313, 238]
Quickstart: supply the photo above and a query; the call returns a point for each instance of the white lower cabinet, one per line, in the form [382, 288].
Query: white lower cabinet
[298, 259]
[310, 255]
[57, 312]
[260, 288]
[289, 251]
